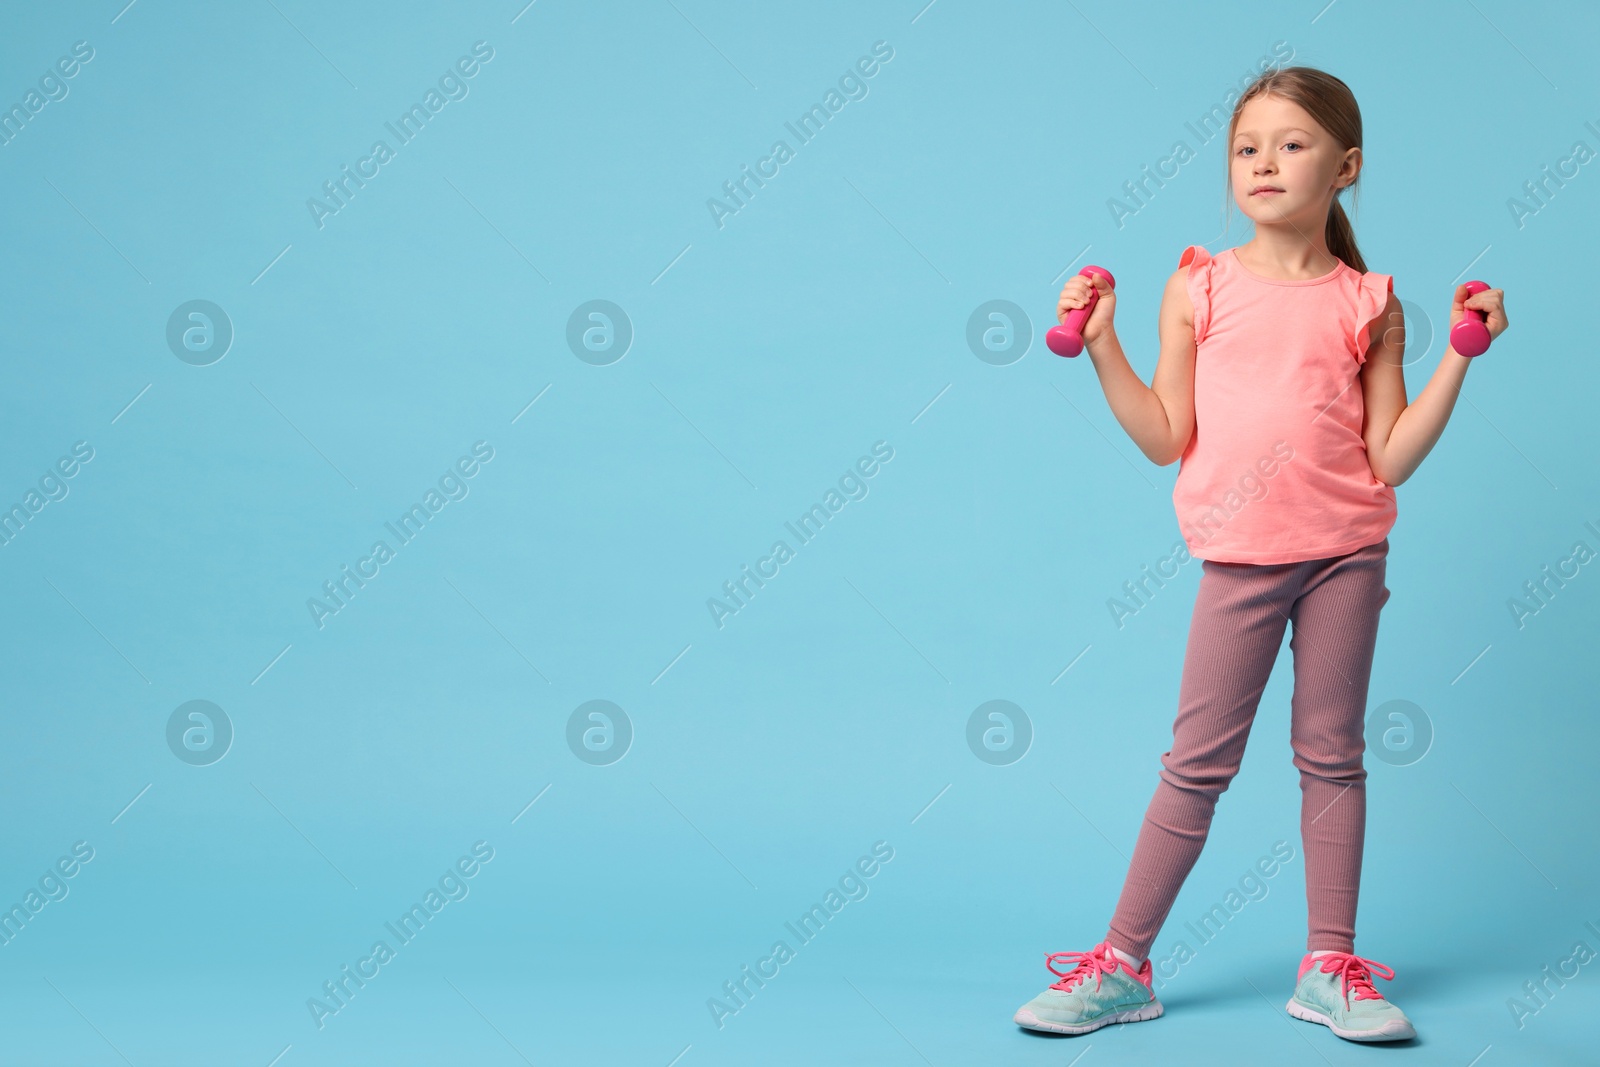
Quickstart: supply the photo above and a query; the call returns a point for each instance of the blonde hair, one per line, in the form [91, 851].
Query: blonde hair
[1330, 102]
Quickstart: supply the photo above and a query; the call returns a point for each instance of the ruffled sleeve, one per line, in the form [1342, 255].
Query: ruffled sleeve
[1372, 299]
[1198, 260]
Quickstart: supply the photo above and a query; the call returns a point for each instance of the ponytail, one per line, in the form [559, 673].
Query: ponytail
[1341, 238]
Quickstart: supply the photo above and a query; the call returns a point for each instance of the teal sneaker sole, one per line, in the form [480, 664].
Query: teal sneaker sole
[1394, 1030]
[1142, 1013]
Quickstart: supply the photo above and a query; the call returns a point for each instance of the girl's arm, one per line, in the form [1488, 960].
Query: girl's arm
[1399, 435]
[1158, 417]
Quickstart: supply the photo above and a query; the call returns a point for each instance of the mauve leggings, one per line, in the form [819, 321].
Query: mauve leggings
[1240, 613]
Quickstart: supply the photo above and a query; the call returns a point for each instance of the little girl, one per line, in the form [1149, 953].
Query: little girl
[1280, 387]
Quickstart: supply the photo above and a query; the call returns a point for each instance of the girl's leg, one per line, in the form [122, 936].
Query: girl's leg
[1240, 613]
[1335, 631]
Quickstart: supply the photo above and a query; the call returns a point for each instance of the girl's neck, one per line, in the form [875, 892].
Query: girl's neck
[1288, 257]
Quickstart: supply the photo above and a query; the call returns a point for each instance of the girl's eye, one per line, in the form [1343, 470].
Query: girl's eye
[1286, 144]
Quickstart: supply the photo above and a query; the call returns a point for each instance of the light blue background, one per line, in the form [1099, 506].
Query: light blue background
[829, 314]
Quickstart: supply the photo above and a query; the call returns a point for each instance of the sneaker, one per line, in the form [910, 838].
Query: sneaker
[1075, 1005]
[1336, 990]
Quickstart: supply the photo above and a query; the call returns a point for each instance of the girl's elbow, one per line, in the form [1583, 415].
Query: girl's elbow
[1176, 449]
[1161, 453]
[1382, 470]
[1388, 475]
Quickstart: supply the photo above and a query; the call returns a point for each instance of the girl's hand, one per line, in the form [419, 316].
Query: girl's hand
[1075, 294]
[1491, 302]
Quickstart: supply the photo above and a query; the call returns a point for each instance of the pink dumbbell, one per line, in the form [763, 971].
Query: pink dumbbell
[1470, 336]
[1067, 339]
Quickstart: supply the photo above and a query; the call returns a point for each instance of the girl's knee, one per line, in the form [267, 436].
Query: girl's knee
[1348, 770]
[1194, 777]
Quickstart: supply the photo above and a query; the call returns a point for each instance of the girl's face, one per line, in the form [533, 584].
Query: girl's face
[1279, 146]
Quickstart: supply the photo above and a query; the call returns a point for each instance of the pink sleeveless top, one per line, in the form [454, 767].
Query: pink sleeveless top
[1277, 471]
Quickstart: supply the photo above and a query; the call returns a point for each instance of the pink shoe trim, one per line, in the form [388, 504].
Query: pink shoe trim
[1355, 972]
[1097, 961]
